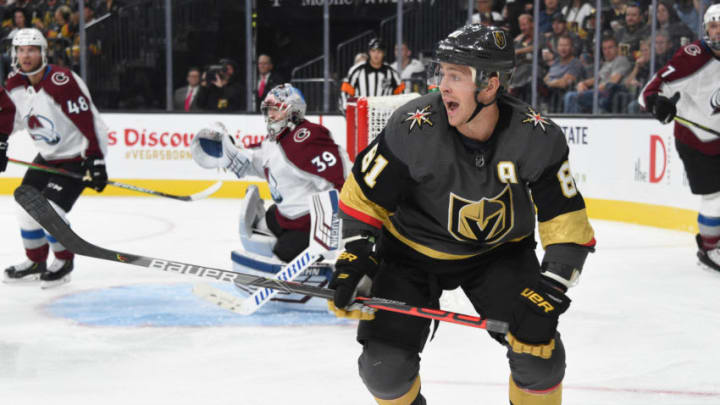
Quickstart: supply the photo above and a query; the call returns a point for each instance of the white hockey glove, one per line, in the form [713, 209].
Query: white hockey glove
[214, 148]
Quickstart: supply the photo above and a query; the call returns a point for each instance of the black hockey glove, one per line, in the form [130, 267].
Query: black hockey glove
[536, 313]
[663, 108]
[354, 263]
[94, 175]
[3, 153]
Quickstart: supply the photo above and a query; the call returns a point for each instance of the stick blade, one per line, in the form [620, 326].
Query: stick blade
[207, 192]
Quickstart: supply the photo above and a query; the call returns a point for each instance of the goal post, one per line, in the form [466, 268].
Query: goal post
[366, 117]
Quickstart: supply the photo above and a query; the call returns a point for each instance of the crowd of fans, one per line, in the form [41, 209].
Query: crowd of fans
[58, 20]
[566, 52]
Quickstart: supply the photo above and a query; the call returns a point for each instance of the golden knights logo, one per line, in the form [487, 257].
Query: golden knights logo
[500, 40]
[419, 117]
[487, 220]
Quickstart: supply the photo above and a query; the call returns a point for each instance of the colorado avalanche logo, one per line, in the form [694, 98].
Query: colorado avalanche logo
[301, 135]
[715, 101]
[272, 182]
[59, 78]
[42, 129]
[693, 50]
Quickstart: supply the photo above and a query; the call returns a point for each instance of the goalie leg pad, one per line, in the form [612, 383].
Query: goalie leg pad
[252, 210]
[390, 373]
[534, 371]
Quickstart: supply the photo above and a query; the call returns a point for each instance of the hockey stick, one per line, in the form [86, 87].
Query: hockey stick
[55, 170]
[324, 237]
[696, 125]
[39, 208]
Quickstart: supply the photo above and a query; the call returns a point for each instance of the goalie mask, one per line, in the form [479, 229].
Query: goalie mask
[712, 15]
[28, 37]
[283, 107]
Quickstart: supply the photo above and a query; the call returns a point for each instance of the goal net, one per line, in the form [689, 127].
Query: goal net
[366, 117]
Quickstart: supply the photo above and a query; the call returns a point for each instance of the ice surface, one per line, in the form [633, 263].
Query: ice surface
[642, 328]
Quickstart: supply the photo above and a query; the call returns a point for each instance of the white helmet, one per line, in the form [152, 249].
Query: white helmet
[28, 36]
[712, 14]
[284, 97]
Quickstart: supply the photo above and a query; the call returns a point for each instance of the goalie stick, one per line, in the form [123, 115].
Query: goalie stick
[39, 208]
[193, 197]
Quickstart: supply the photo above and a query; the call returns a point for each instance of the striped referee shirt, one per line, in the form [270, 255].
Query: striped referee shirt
[363, 80]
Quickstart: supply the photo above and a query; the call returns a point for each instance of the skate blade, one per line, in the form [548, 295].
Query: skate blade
[33, 278]
[707, 268]
[55, 283]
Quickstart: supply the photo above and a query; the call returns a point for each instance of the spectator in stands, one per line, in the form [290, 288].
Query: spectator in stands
[512, 11]
[485, 14]
[522, 77]
[185, 98]
[547, 14]
[216, 93]
[614, 17]
[108, 7]
[565, 70]
[267, 79]
[411, 72]
[362, 80]
[640, 74]
[575, 14]
[236, 87]
[559, 29]
[360, 57]
[634, 29]
[613, 69]
[668, 19]
[20, 20]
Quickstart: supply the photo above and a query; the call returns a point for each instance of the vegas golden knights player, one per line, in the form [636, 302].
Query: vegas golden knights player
[446, 197]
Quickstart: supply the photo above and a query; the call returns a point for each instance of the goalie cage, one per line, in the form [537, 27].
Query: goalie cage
[366, 117]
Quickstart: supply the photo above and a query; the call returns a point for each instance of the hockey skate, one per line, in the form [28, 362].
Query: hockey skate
[24, 272]
[708, 258]
[57, 274]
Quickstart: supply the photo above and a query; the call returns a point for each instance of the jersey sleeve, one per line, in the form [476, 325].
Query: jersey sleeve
[322, 157]
[7, 115]
[397, 83]
[70, 93]
[378, 181]
[686, 61]
[563, 225]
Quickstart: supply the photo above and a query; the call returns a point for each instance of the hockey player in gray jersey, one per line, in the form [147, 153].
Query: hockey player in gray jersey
[445, 197]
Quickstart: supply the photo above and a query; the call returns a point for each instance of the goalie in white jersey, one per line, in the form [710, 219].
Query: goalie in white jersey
[54, 106]
[689, 87]
[297, 158]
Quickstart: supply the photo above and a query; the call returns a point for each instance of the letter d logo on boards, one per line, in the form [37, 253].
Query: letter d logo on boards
[657, 146]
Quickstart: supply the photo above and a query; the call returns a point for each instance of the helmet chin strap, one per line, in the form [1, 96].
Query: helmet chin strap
[38, 70]
[480, 105]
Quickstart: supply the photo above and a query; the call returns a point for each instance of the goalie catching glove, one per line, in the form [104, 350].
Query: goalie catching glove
[354, 269]
[214, 148]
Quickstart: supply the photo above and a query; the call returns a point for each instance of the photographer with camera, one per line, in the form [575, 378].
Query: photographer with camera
[218, 89]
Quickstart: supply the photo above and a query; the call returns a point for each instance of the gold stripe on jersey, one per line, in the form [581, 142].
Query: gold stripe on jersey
[436, 254]
[353, 197]
[571, 227]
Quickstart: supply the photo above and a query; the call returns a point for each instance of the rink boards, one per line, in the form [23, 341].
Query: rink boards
[627, 169]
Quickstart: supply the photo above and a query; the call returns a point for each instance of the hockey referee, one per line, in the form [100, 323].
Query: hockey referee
[371, 78]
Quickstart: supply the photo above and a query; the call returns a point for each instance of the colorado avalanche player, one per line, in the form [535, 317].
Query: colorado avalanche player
[297, 158]
[689, 86]
[54, 106]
